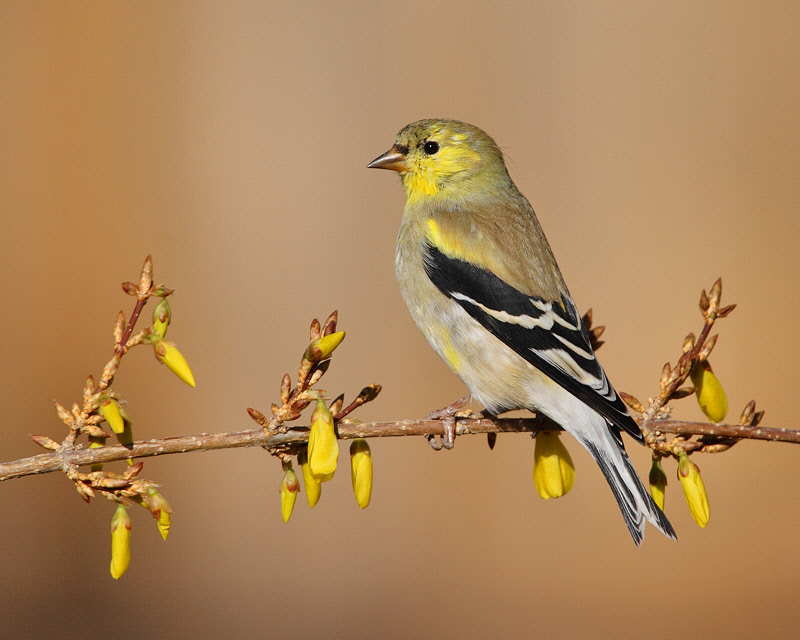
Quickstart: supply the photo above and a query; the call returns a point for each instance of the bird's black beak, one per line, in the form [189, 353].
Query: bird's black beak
[394, 159]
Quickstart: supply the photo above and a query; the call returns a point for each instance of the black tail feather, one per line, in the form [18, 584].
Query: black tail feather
[634, 510]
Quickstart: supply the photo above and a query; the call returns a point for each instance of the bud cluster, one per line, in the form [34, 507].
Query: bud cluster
[318, 459]
[103, 404]
[693, 364]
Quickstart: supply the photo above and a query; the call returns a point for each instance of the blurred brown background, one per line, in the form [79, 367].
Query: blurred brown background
[658, 143]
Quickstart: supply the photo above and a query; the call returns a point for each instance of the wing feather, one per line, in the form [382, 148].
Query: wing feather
[548, 334]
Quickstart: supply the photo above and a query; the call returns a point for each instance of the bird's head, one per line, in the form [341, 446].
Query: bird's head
[444, 158]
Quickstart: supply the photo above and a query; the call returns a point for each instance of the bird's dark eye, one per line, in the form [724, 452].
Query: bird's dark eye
[430, 147]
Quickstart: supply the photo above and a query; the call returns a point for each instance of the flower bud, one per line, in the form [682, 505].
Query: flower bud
[315, 331]
[553, 471]
[96, 442]
[710, 394]
[313, 486]
[336, 406]
[361, 471]
[146, 279]
[120, 542]
[65, 416]
[164, 524]
[632, 402]
[126, 438]
[330, 323]
[323, 448]
[110, 410]
[286, 389]
[289, 489]
[168, 353]
[369, 393]
[693, 489]
[162, 315]
[161, 511]
[162, 291]
[658, 483]
[322, 348]
[45, 442]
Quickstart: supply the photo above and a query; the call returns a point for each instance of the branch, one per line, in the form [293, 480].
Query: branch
[59, 460]
[316, 448]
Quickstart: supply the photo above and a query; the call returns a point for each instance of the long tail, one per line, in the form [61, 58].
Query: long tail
[634, 502]
[595, 433]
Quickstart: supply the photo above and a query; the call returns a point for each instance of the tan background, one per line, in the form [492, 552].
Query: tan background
[659, 145]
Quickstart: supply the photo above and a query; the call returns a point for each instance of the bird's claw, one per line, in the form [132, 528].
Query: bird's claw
[448, 440]
[435, 445]
[448, 417]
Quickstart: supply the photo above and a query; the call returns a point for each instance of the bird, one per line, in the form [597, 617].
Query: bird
[482, 284]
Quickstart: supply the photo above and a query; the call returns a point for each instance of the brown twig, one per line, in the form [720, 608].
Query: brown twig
[101, 403]
[695, 352]
[142, 293]
[55, 461]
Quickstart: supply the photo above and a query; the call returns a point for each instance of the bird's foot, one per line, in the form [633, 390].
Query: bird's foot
[448, 417]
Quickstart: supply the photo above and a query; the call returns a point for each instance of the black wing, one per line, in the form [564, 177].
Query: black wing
[548, 334]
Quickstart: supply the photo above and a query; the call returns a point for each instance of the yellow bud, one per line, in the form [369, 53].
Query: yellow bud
[110, 410]
[327, 344]
[361, 471]
[164, 524]
[120, 542]
[323, 448]
[322, 348]
[553, 471]
[96, 442]
[289, 489]
[693, 490]
[160, 509]
[161, 318]
[658, 483]
[126, 437]
[313, 486]
[168, 353]
[710, 394]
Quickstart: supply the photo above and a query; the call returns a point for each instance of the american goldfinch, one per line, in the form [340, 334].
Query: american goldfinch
[482, 284]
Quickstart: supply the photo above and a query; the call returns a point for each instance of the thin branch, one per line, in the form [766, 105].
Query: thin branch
[142, 295]
[58, 460]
